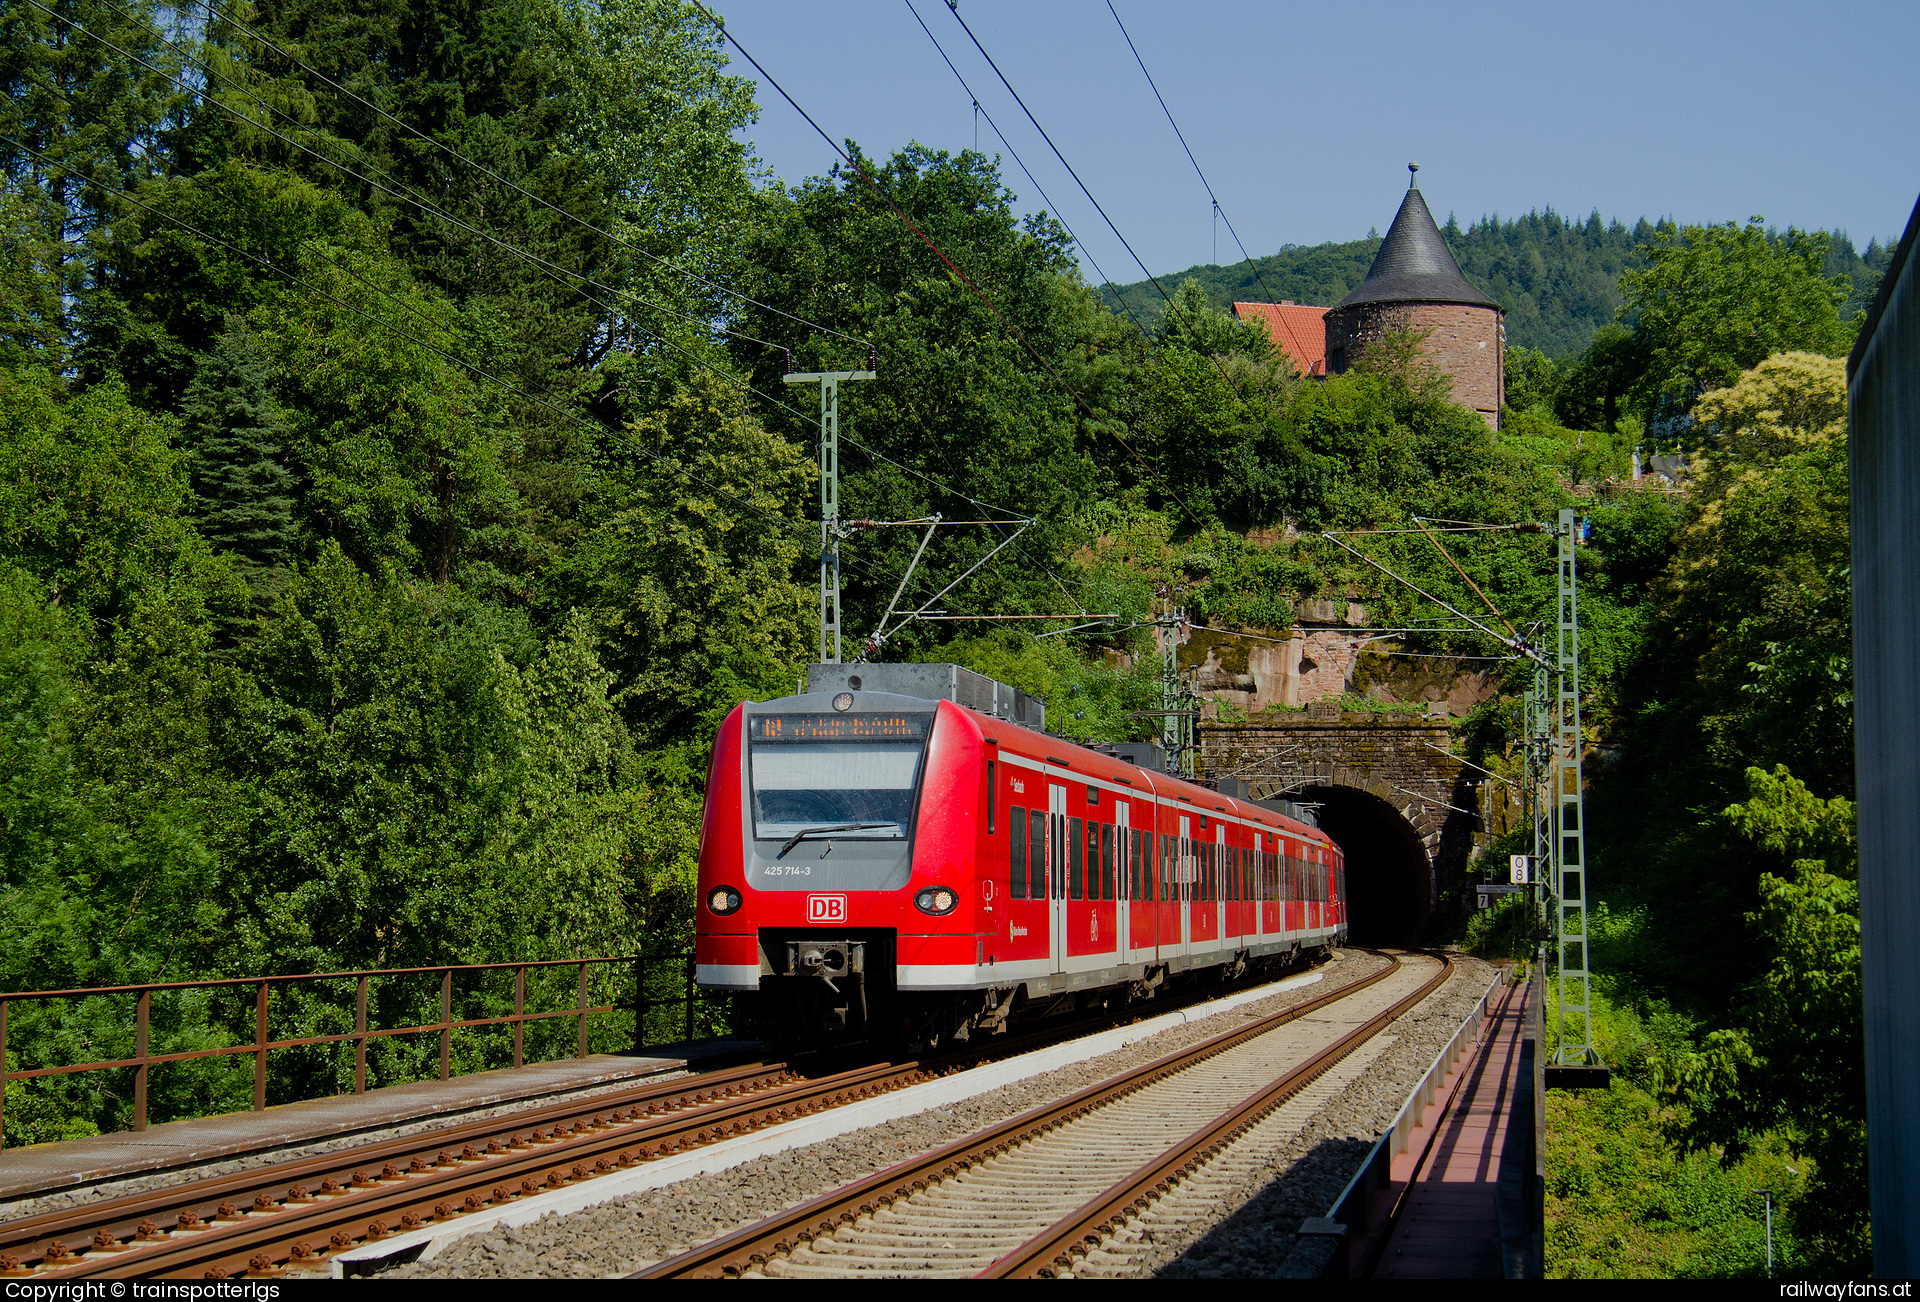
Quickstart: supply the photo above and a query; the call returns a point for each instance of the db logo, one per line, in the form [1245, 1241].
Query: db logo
[826, 908]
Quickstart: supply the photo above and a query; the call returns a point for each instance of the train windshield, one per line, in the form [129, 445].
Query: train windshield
[855, 774]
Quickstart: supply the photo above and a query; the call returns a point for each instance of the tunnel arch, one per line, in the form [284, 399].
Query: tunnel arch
[1390, 872]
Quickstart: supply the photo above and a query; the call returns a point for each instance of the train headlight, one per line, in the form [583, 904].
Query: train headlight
[937, 900]
[723, 900]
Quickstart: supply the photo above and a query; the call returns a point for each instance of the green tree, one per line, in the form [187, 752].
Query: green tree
[93, 497]
[1601, 378]
[32, 316]
[959, 401]
[244, 494]
[692, 564]
[81, 119]
[1758, 591]
[1797, 1059]
[1713, 301]
[1533, 379]
[224, 242]
[404, 454]
[365, 737]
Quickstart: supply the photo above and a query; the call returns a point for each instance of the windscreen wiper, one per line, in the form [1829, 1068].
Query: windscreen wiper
[803, 834]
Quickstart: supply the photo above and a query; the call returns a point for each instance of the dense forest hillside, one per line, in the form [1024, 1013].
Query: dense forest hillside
[398, 487]
[1557, 277]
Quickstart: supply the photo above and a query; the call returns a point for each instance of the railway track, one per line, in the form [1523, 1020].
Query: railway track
[291, 1218]
[1028, 1197]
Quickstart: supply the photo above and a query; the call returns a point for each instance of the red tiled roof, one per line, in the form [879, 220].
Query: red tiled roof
[1300, 330]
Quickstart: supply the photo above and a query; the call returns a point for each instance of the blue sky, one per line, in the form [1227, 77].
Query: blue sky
[1305, 116]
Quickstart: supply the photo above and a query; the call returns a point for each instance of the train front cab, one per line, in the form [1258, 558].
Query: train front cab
[836, 858]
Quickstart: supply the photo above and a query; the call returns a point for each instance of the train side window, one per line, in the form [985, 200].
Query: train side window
[1017, 852]
[1106, 861]
[1133, 863]
[1037, 854]
[1093, 859]
[1076, 864]
[993, 795]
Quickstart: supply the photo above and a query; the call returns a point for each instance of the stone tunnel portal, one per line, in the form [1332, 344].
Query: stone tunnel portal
[1389, 874]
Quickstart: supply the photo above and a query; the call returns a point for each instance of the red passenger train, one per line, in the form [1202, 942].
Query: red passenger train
[880, 862]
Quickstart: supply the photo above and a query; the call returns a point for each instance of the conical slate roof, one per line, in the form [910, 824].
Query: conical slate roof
[1414, 264]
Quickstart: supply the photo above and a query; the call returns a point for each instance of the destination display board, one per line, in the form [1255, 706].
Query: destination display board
[866, 726]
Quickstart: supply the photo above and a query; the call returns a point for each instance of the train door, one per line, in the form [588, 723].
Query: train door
[1220, 892]
[1144, 918]
[1057, 876]
[1123, 904]
[1293, 909]
[1257, 885]
[1195, 911]
[1183, 884]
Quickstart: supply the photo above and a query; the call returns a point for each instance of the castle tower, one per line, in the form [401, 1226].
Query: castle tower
[1415, 283]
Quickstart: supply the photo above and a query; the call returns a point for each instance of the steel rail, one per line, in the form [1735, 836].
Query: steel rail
[230, 1222]
[121, 1215]
[733, 1254]
[310, 1227]
[1055, 1248]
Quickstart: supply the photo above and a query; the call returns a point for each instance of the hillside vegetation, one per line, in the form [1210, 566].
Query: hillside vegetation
[398, 486]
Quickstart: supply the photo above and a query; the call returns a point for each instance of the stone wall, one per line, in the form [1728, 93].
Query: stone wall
[1468, 343]
[1403, 760]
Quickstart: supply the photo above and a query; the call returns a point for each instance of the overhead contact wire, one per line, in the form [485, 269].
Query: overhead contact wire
[938, 252]
[1245, 256]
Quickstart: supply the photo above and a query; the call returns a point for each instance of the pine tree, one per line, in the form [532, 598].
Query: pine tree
[235, 433]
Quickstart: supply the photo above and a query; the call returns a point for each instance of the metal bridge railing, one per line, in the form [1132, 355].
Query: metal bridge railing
[646, 1000]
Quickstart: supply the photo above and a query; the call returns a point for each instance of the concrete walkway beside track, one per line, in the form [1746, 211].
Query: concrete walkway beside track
[1446, 1184]
[48, 1168]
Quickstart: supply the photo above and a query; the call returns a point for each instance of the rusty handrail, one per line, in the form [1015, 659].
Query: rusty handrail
[261, 1044]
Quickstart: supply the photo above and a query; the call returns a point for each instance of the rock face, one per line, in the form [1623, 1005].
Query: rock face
[1329, 652]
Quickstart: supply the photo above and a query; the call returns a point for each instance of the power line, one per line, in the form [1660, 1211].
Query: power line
[413, 195]
[1218, 210]
[954, 7]
[1025, 170]
[938, 252]
[482, 168]
[670, 466]
[552, 270]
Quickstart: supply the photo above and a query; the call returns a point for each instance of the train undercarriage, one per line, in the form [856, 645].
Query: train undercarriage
[835, 988]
